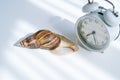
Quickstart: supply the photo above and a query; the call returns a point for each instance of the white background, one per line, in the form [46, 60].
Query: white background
[21, 17]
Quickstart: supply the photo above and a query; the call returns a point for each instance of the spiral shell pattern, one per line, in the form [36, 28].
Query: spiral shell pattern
[44, 39]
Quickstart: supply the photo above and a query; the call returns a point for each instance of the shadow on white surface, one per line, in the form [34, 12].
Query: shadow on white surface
[11, 73]
[64, 27]
[23, 17]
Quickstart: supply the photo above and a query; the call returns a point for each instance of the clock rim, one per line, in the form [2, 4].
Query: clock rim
[85, 45]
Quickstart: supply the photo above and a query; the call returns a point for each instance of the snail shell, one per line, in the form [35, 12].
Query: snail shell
[46, 39]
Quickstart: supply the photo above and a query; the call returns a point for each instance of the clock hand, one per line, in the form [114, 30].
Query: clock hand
[88, 34]
[94, 39]
[93, 32]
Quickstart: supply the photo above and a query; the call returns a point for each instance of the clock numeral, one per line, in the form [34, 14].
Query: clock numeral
[96, 21]
[85, 22]
[106, 32]
[102, 42]
[102, 26]
[106, 38]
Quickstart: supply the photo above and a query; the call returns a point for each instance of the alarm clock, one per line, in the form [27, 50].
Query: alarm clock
[98, 27]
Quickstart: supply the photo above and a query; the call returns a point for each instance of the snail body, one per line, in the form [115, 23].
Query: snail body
[48, 40]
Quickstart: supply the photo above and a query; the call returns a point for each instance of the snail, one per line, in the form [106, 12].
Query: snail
[45, 39]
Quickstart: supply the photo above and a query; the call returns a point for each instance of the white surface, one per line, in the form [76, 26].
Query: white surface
[21, 17]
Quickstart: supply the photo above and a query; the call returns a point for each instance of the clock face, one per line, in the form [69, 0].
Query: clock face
[92, 33]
